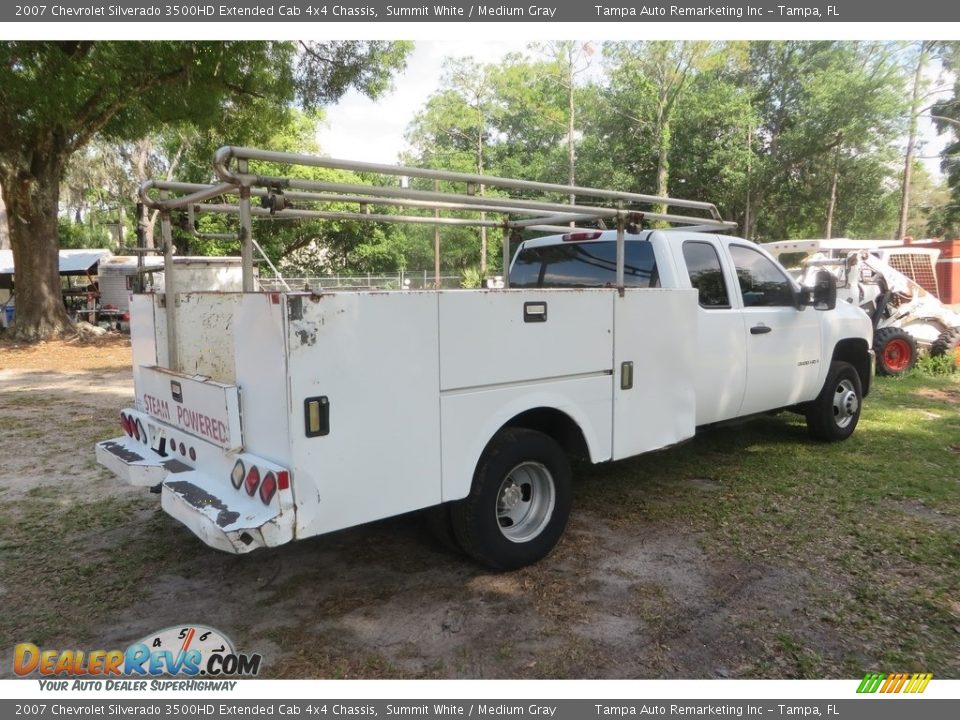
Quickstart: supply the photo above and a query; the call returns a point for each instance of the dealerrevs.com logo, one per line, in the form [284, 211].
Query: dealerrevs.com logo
[182, 651]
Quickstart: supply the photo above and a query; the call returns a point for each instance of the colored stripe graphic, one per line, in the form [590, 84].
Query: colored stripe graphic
[889, 682]
[901, 679]
[894, 682]
[920, 682]
[870, 683]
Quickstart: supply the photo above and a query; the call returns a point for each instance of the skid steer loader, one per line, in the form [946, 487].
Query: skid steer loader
[907, 318]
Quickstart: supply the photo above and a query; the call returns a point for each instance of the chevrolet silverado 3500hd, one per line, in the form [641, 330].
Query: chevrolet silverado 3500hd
[265, 417]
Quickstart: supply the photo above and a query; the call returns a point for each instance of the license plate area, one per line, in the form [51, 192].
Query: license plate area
[158, 439]
[197, 406]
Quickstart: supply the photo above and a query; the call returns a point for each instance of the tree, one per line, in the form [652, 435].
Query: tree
[4, 234]
[923, 56]
[648, 80]
[946, 116]
[456, 128]
[55, 97]
[568, 60]
[830, 114]
[713, 144]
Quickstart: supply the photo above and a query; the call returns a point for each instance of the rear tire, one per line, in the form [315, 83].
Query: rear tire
[948, 342]
[835, 413]
[519, 503]
[896, 350]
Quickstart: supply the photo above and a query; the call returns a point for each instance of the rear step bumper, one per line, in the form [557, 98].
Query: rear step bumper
[128, 460]
[224, 518]
[238, 527]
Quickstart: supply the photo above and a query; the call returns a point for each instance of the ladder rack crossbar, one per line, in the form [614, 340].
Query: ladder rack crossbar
[455, 199]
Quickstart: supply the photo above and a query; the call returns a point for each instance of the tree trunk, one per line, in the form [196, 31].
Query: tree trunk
[481, 124]
[571, 127]
[144, 147]
[911, 143]
[663, 162]
[32, 189]
[747, 209]
[833, 199]
[832, 206]
[4, 234]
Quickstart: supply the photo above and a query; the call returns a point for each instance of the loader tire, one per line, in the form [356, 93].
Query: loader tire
[519, 502]
[948, 342]
[834, 414]
[896, 350]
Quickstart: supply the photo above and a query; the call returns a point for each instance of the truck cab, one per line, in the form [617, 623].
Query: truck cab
[761, 343]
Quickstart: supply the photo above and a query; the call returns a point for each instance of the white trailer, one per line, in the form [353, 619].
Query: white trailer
[118, 276]
[269, 417]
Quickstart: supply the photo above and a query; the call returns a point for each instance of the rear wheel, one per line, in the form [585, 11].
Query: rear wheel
[519, 503]
[896, 350]
[948, 343]
[836, 411]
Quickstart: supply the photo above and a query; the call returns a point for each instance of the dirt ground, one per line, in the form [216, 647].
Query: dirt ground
[619, 598]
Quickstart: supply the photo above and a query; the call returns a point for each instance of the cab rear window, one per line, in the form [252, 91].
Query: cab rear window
[584, 264]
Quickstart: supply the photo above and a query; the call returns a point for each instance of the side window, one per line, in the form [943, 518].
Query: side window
[584, 264]
[762, 283]
[706, 275]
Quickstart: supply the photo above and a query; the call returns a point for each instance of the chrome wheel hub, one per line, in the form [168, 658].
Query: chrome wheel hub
[525, 502]
[846, 404]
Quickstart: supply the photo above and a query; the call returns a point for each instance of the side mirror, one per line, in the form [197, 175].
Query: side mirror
[823, 294]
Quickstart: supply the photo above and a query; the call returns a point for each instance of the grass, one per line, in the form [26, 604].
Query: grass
[60, 557]
[861, 540]
[871, 525]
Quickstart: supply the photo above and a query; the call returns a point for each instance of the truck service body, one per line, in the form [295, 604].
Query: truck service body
[266, 417]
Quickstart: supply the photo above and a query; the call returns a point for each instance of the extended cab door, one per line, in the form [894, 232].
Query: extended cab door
[782, 340]
[721, 358]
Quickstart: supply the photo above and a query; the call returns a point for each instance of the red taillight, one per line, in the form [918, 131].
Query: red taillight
[283, 480]
[577, 237]
[125, 317]
[236, 475]
[268, 488]
[252, 481]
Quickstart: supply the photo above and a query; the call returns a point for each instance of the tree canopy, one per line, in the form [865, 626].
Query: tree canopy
[56, 97]
[789, 139]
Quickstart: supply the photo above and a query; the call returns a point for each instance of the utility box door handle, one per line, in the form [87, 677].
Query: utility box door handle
[626, 375]
[534, 312]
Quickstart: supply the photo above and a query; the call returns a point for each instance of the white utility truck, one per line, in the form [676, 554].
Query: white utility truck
[265, 417]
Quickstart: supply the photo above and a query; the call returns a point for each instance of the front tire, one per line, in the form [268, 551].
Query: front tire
[896, 350]
[835, 413]
[519, 503]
